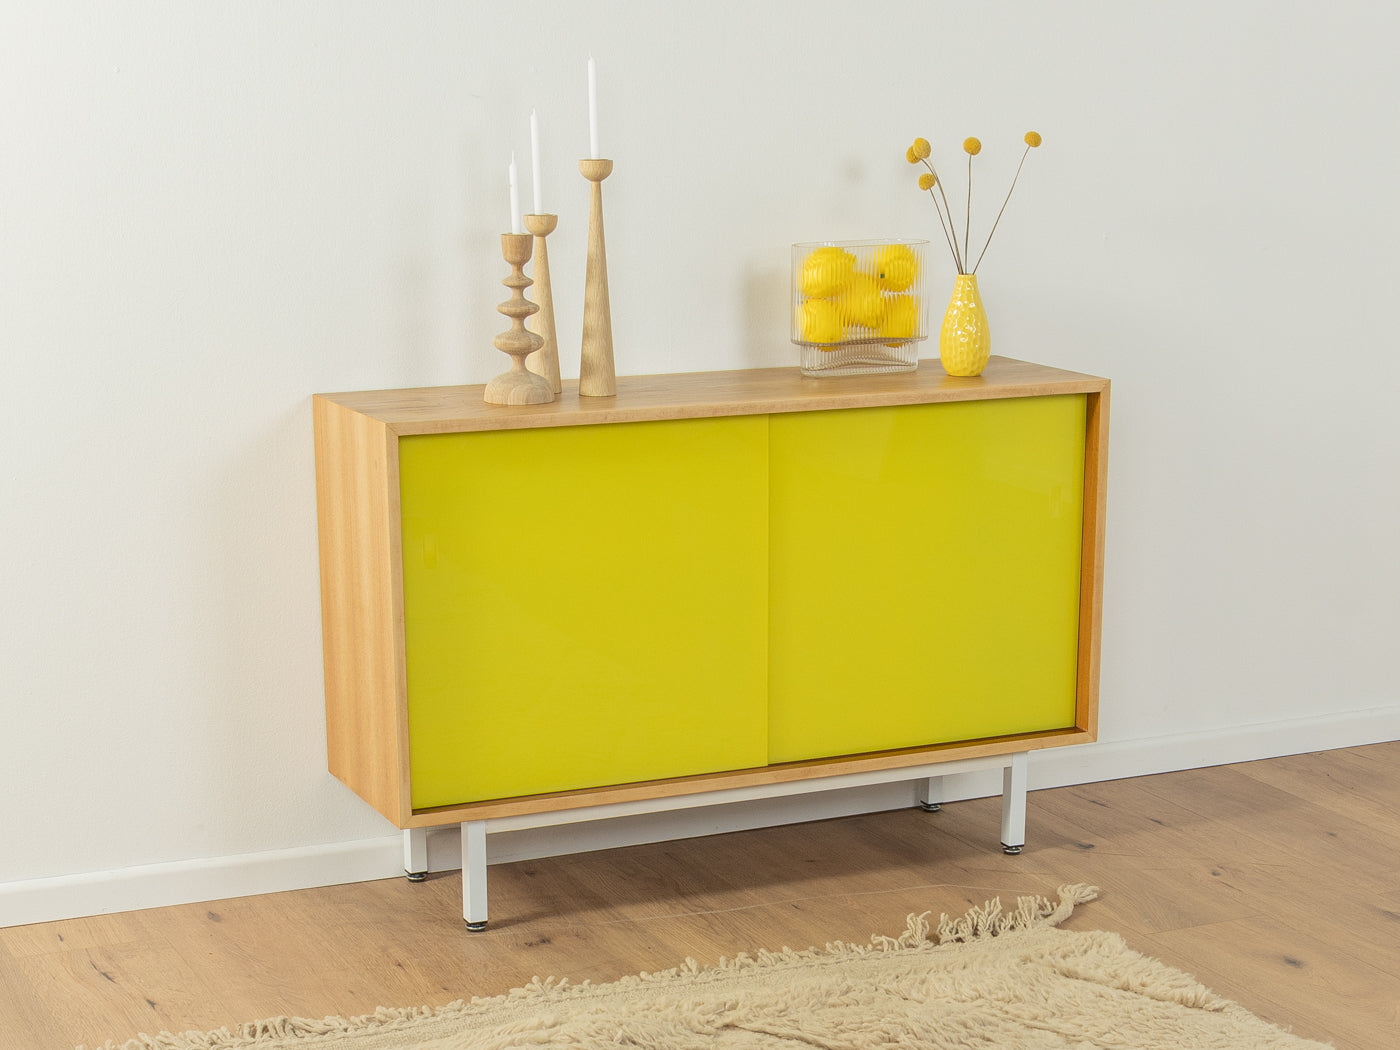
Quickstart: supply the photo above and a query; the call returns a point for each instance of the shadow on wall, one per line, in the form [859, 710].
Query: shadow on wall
[262, 654]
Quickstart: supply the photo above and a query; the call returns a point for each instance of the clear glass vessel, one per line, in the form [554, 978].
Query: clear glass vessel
[858, 306]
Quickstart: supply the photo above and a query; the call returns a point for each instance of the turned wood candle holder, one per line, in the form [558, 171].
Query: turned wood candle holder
[597, 376]
[545, 360]
[519, 386]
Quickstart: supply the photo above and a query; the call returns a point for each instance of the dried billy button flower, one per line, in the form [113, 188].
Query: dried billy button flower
[928, 180]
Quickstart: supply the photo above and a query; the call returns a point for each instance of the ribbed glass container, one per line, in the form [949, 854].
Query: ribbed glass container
[858, 307]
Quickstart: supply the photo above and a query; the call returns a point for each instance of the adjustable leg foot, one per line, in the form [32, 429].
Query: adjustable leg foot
[415, 854]
[930, 794]
[476, 927]
[1011, 851]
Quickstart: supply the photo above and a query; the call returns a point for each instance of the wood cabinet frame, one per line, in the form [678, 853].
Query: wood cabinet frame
[357, 484]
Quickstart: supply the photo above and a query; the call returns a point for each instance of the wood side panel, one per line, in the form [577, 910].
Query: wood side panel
[361, 618]
[1092, 559]
[453, 409]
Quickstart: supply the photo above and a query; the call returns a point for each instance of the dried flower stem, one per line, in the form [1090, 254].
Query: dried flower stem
[967, 229]
[945, 224]
[957, 255]
[1003, 207]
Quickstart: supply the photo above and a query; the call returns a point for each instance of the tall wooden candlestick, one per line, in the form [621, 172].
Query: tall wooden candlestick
[519, 386]
[545, 360]
[597, 377]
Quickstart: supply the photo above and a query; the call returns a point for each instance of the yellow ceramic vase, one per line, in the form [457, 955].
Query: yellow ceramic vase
[964, 343]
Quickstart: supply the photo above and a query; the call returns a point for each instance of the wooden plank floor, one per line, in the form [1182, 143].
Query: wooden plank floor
[1276, 883]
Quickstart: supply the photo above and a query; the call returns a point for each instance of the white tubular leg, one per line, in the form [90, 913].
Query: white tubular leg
[415, 854]
[474, 874]
[1013, 804]
[930, 794]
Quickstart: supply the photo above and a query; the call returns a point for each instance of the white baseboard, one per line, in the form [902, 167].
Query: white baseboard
[186, 882]
[191, 881]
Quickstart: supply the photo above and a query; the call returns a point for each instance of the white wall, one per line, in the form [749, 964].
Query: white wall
[210, 211]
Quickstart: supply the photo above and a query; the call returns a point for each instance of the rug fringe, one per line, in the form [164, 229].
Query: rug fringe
[990, 920]
[978, 923]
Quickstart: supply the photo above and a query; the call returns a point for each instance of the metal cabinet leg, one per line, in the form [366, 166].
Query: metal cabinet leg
[415, 854]
[474, 874]
[1013, 804]
[930, 794]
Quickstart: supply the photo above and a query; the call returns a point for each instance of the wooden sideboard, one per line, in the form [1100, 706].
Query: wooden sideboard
[709, 587]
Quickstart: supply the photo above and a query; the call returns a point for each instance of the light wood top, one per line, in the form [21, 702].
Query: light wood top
[691, 395]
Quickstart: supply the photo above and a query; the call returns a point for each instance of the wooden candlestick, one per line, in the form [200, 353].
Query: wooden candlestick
[545, 360]
[597, 377]
[519, 386]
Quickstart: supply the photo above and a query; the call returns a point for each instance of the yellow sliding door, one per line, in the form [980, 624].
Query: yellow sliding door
[925, 567]
[584, 605]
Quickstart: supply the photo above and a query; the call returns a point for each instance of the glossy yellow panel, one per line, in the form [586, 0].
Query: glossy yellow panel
[584, 605]
[925, 573]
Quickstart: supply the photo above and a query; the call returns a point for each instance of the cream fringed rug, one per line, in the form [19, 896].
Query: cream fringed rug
[993, 979]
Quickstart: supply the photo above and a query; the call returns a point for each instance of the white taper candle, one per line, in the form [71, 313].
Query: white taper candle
[535, 161]
[592, 109]
[514, 198]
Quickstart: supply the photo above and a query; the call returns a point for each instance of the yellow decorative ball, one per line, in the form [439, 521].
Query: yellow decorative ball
[927, 181]
[860, 305]
[821, 322]
[1032, 139]
[911, 156]
[896, 266]
[901, 318]
[921, 149]
[972, 147]
[826, 271]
